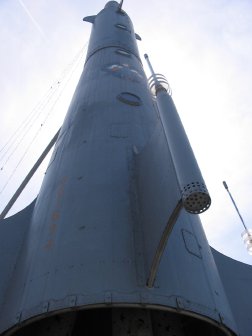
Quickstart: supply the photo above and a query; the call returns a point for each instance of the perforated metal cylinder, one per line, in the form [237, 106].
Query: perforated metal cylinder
[195, 197]
[194, 192]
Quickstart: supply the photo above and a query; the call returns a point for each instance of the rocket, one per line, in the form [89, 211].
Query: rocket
[113, 243]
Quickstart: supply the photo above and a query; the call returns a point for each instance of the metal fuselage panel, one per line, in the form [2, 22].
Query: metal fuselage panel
[106, 197]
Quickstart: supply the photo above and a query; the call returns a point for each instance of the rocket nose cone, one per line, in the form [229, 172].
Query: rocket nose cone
[112, 4]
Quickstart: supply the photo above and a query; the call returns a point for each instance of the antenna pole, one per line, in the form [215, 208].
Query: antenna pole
[237, 210]
[156, 83]
[149, 64]
[120, 6]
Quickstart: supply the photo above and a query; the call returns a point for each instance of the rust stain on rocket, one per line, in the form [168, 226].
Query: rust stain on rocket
[61, 188]
[56, 213]
[49, 244]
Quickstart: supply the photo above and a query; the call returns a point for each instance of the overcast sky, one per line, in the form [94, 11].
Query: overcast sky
[204, 48]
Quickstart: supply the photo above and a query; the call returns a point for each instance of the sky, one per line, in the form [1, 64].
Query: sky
[204, 48]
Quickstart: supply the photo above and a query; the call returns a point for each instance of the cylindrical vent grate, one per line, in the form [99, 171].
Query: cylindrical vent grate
[195, 197]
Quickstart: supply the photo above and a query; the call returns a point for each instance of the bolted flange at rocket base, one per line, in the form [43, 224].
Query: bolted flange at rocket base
[86, 245]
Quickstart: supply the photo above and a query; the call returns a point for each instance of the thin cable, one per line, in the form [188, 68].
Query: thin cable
[25, 130]
[24, 122]
[39, 130]
[74, 67]
[27, 124]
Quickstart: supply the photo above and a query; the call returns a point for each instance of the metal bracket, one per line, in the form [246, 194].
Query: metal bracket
[18, 317]
[162, 244]
[179, 303]
[45, 307]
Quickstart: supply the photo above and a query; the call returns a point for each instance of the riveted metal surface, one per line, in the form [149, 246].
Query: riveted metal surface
[191, 243]
[237, 279]
[12, 233]
[103, 206]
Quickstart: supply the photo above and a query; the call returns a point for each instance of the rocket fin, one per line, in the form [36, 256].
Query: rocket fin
[12, 234]
[90, 19]
[138, 37]
[236, 278]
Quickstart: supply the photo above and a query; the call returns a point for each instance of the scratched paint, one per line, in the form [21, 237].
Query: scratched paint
[124, 71]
